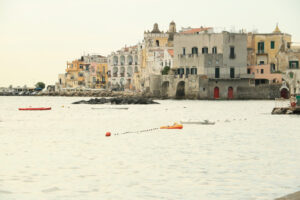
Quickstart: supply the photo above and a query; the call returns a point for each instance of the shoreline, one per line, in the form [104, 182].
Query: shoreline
[292, 196]
[123, 94]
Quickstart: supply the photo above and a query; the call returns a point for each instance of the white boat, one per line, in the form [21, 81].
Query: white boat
[205, 122]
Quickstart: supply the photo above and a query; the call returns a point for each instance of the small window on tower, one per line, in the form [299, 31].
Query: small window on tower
[157, 43]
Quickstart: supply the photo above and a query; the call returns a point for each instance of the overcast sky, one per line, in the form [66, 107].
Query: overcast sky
[38, 37]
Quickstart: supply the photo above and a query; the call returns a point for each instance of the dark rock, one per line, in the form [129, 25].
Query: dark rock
[118, 101]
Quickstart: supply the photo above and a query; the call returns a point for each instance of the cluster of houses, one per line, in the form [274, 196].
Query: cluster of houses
[194, 63]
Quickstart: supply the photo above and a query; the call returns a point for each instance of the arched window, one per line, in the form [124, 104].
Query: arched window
[129, 60]
[115, 60]
[136, 59]
[122, 60]
[204, 50]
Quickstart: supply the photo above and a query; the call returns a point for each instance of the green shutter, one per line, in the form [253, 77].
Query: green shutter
[272, 44]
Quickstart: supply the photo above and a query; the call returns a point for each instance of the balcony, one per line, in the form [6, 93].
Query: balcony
[115, 75]
[122, 74]
[261, 52]
[232, 56]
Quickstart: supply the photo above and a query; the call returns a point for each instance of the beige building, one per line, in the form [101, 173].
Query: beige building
[156, 44]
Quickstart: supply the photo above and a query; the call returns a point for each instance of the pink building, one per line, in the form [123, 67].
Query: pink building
[263, 75]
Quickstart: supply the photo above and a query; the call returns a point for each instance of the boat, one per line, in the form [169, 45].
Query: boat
[41, 108]
[205, 122]
[174, 126]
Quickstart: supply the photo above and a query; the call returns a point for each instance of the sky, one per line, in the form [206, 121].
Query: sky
[38, 37]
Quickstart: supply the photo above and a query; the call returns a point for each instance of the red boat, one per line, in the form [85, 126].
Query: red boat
[47, 108]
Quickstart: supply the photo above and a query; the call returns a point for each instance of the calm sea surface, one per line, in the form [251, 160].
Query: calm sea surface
[64, 154]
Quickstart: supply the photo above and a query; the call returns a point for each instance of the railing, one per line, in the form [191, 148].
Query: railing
[232, 56]
[260, 52]
[115, 75]
[122, 74]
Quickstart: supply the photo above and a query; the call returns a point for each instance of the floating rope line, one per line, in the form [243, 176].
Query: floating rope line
[140, 131]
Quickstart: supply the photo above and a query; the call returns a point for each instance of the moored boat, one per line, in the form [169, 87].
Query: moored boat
[205, 122]
[174, 126]
[41, 108]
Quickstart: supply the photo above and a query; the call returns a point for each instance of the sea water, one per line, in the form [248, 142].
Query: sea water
[64, 154]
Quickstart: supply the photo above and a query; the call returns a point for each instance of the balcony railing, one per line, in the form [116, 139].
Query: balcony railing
[115, 75]
[261, 52]
[122, 74]
[232, 56]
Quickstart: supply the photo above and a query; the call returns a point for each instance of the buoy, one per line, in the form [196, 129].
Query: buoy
[107, 134]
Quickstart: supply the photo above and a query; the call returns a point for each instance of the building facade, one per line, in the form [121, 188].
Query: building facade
[88, 72]
[269, 48]
[157, 45]
[123, 67]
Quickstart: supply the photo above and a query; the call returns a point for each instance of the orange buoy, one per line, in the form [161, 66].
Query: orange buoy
[107, 134]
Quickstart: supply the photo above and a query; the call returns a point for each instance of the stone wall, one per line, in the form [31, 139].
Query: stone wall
[200, 87]
[259, 92]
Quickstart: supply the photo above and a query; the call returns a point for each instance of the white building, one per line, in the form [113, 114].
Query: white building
[122, 67]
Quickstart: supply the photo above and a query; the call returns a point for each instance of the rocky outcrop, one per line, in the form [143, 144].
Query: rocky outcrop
[280, 111]
[294, 196]
[118, 101]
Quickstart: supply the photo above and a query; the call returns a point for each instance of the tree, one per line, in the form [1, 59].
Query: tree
[166, 70]
[40, 86]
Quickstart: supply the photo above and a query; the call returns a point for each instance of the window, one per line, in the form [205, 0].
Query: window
[204, 50]
[231, 72]
[273, 69]
[260, 47]
[272, 44]
[261, 71]
[232, 54]
[194, 50]
[217, 72]
[294, 64]
[214, 50]
[194, 70]
[157, 43]
[187, 70]
[183, 51]
[261, 62]
[248, 71]
[81, 66]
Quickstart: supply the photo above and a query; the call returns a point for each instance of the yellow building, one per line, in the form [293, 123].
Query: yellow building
[75, 73]
[102, 78]
[265, 49]
[87, 72]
